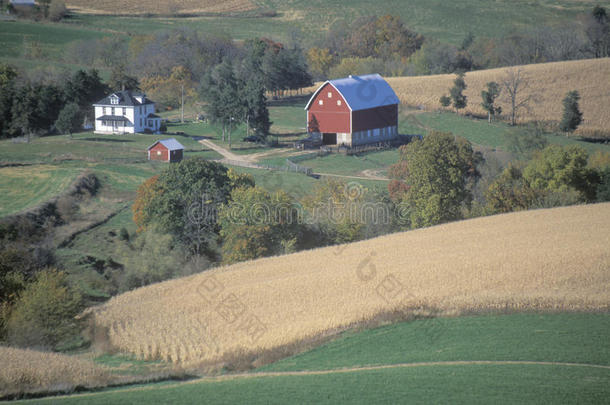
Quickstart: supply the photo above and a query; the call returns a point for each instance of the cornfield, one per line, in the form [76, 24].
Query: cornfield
[548, 84]
[32, 371]
[160, 7]
[547, 260]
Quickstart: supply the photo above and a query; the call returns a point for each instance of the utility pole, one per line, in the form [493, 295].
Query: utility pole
[182, 114]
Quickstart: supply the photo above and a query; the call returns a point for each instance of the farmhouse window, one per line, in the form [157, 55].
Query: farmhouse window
[338, 102]
[330, 94]
[111, 110]
[321, 102]
[124, 111]
[104, 110]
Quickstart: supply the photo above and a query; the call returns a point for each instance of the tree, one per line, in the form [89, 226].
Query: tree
[438, 169]
[489, 97]
[509, 192]
[120, 80]
[182, 202]
[85, 88]
[70, 119]
[515, 83]
[43, 315]
[320, 61]
[256, 224]
[572, 117]
[561, 169]
[252, 90]
[57, 10]
[220, 89]
[457, 92]
[597, 30]
[445, 101]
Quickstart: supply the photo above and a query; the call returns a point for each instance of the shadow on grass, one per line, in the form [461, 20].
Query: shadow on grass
[292, 101]
[106, 140]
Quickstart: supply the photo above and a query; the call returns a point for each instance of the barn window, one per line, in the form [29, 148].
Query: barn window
[321, 102]
[330, 94]
[158, 153]
[338, 102]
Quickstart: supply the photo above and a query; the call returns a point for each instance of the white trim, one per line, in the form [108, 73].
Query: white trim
[320, 89]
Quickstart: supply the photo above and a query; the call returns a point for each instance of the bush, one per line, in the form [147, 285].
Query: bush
[57, 10]
[43, 315]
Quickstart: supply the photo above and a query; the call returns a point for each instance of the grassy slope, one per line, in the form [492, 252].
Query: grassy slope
[26, 186]
[438, 19]
[566, 338]
[449, 22]
[578, 338]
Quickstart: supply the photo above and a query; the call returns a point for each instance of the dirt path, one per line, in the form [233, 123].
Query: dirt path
[373, 174]
[342, 371]
[351, 177]
[224, 152]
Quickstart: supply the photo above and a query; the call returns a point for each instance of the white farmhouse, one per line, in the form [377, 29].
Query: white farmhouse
[126, 112]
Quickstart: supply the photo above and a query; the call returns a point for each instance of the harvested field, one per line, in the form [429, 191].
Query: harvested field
[548, 83]
[542, 260]
[33, 371]
[131, 7]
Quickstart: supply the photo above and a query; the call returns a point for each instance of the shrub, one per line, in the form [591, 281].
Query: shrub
[43, 315]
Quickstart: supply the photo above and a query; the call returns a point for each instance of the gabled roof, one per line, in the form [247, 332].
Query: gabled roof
[170, 144]
[362, 92]
[126, 98]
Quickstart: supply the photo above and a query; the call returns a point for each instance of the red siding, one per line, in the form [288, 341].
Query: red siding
[154, 155]
[379, 117]
[328, 117]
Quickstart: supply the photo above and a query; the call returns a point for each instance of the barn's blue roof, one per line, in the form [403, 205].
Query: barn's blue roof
[170, 144]
[362, 92]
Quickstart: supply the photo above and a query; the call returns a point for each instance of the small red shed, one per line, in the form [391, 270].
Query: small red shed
[166, 150]
[355, 110]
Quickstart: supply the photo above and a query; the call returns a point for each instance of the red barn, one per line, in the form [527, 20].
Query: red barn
[352, 111]
[166, 150]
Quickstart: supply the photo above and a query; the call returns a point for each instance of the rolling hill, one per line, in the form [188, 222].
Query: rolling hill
[548, 84]
[542, 260]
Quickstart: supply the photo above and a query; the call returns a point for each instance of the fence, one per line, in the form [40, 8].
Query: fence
[290, 166]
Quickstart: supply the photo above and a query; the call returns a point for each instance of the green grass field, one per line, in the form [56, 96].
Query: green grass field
[444, 21]
[479, 131]
[23, 187]
[372, 367]
[448, 22]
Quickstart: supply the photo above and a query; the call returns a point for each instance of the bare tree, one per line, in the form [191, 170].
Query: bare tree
[516, 83]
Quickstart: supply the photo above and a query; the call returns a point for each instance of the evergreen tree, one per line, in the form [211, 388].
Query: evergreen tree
[572, 117]
[457, 92]
[69, 120]
[489, 97]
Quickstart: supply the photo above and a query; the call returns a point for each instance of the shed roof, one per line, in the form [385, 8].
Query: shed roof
[362, 92]
[170, 144]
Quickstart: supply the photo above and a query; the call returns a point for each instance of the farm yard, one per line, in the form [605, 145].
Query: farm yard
[469, 266]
